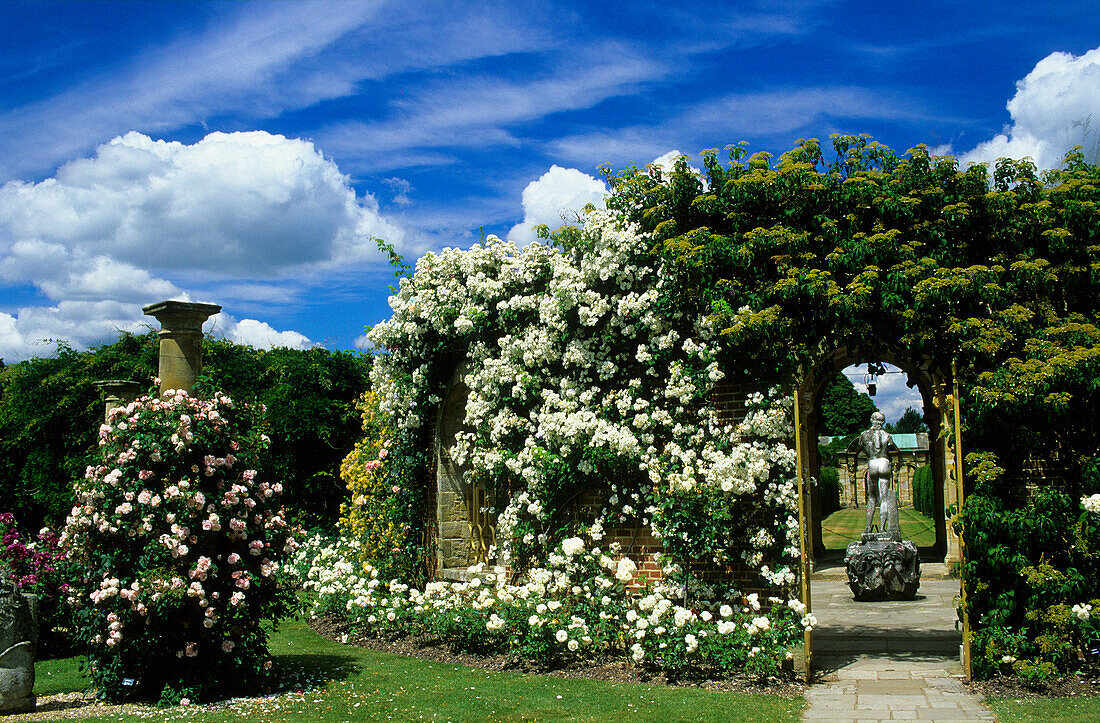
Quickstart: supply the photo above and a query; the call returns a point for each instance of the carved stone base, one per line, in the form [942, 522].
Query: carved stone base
[883, 569]
[23, 705]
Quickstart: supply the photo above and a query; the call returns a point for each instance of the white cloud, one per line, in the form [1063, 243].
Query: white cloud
[892, 395]
[401, 189]
[556, 194]
[106, 234]
[1056, 106]
[34, 330]
[667, 161]
[246, 204]
[257, 334]
[256, 60]
[476, 112]
[744, 116]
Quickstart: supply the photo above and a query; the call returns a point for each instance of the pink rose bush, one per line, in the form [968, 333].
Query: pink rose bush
[181, 541]
[39, 565]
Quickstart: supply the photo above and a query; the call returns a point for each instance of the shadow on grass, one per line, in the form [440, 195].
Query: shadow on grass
[303, 671]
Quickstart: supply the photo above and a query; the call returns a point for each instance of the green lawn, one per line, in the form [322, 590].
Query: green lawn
[844, 526]
[1049, 710]
[331, 682]
[61, 675]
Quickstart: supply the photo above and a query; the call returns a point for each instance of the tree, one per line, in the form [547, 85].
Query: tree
[910, 422]
[309, 396]
[50, 411]
[844, 411]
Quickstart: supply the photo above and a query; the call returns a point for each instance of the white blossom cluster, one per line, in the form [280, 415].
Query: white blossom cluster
[574, 350]
[1091, 503]
[580, 603]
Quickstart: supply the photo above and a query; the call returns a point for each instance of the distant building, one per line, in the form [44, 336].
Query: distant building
[911, 454]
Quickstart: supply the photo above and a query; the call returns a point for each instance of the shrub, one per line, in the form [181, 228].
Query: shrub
[181, 542]
[585, 602]
[828, 485]
[381, 508]
[1031, 573]
[40, 566]
[924, 499]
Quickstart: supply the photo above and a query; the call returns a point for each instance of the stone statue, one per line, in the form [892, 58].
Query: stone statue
[876, 443]
[881, 566]
[18, 635]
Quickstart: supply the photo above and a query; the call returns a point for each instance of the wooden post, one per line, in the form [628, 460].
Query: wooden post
[957, 423]
[807, 642]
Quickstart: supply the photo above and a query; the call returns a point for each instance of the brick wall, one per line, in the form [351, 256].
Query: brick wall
[637, 543]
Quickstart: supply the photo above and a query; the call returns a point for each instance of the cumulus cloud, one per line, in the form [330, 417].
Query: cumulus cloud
[36, 330]
[257, 334]
[892, 395]
[667, 161]
[1056, 106]
[553, 197]
[144, 219]
[249, 204]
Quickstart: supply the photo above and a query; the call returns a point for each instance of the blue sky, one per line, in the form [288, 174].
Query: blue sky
[247, 154]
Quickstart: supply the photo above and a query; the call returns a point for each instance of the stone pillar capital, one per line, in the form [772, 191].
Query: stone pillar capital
[180, 317]
[180, 340]
[117, 393]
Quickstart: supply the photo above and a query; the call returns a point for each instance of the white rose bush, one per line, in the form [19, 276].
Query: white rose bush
[587, 368]
[583, 604]
[591, 370]
[181, 541]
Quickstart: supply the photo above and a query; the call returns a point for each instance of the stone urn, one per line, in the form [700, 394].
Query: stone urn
[18, 635]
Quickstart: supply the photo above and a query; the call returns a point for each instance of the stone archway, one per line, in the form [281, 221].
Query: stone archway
[934, 388]
[465, 533]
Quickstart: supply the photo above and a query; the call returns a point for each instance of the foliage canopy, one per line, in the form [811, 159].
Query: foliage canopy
[911, 258]
[50, 410]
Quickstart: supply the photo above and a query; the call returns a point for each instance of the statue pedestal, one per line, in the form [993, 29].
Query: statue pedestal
[881, 567]
[18, 634]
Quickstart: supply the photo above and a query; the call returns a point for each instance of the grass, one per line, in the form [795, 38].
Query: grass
[844, 526]
[1048, 710]
[327, 681]
[59, 675]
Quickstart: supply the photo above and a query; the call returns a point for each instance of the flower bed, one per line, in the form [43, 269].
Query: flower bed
[40, 566]
[580, 605]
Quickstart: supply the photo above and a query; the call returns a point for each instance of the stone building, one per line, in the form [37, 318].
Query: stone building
[909, 454]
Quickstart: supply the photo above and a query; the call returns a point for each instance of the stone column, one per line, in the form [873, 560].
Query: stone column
[118, 393]
[180, 341]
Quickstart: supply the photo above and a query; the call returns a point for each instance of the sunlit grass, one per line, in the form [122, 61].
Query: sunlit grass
[844, 526]
[1049, 710]
[60, 675]
[327, 681]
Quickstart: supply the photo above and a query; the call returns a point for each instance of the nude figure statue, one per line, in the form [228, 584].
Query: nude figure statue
[876, 443]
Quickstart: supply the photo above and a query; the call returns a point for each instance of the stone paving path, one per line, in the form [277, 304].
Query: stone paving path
[882, 661]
